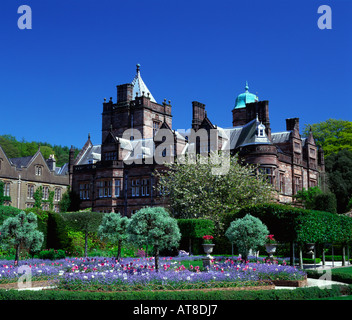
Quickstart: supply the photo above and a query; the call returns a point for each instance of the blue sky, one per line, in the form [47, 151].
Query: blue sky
[54, 77]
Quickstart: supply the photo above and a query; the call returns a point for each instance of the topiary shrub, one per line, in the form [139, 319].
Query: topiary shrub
[248, 233]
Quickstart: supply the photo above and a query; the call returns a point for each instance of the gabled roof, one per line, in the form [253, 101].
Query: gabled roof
[22, 161]
[140, 87]
[92, 152]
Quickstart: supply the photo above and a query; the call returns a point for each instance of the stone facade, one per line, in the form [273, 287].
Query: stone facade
[107, 181]
[22, 177]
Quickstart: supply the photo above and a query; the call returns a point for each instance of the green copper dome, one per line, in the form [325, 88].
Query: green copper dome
[244, 98]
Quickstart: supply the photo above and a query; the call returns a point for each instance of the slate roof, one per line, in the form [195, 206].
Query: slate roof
[92, 153]
[22, 161]
[139, 86]
[280, 137]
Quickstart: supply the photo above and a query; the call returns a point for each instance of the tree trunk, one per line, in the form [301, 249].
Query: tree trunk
[300, 258]
[86, 244]
[119, 250]
[156, 257]
[292, 254]
[343, 255]
[17, 254]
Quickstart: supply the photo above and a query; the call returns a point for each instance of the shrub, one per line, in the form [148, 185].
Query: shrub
[51, 254]
[192, 230]
[297, 294]
[21, 232]
[325, 202]
[248, 233]
[153, 225]
[300, 225]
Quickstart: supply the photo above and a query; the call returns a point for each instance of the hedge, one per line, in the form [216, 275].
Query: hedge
[192, 231]
[195, 228]
[290, 224]
[282, 294]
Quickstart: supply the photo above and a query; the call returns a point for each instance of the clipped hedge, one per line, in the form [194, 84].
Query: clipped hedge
[192, 231]
[282, 294]
[195, 228]
[335, 276]
[290, 224]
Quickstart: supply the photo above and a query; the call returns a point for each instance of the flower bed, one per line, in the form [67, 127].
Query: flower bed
[131, 274]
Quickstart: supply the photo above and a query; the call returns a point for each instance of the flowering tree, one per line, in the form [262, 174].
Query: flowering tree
[21, 231]
[195, 191]
[114, 229]
[153, 225]
[247, 233]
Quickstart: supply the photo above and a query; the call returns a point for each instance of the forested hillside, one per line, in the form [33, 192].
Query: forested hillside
[23, 148]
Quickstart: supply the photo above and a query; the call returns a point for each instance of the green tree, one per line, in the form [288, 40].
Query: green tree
[307, 196]
[247, 233]
[194, 191]
[9, 145]
[332, 135]
[21, 231]
[83, 221]
[325, 202]
[23, 148]
[339, 170]
[46, 151]
[153, 225]
[114, 229]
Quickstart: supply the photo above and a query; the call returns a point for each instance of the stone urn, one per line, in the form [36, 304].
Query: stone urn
[270, 249]
[310, 248]
[208, 249]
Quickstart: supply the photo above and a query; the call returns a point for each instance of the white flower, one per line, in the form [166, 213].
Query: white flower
[188, 278]
[92, 276]
[85, 277]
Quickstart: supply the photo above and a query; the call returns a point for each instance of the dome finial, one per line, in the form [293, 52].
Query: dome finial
[138, 67]
[247, 87]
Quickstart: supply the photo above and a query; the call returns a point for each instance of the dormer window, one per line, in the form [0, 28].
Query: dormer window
[261, 131]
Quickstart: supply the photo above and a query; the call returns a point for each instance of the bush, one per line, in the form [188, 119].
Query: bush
[325, 202]
[51, 254]
[283, 294]
[300, 225]
[192, 231]
[311, 260]
[7, 211]
[248, 233]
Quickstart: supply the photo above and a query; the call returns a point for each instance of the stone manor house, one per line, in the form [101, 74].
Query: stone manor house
[113, 177]
[22, 176]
